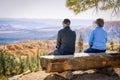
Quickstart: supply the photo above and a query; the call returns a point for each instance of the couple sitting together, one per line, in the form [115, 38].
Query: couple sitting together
[66, 39]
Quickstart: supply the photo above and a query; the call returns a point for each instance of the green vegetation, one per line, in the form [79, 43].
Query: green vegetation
[112, 45]
[80, 43]
[78, 6]
[12, 65]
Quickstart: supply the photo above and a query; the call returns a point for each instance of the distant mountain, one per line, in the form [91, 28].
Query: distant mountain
[112, 27]
[24, 35]
[18, 30]
[6, 28]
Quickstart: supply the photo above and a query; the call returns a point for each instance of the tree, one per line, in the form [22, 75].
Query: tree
[117, 33]
[119, 47]
[80, 43]
[112, 45]
[78, 6]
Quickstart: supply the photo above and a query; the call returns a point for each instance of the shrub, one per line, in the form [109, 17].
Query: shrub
[12, 65]
[7, 64]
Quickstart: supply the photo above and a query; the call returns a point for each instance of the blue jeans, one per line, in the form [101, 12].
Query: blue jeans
[91, 50]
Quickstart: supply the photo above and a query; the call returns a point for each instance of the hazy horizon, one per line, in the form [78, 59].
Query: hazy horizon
[18, 30]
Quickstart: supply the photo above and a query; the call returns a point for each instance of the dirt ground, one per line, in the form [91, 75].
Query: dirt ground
[78, 75]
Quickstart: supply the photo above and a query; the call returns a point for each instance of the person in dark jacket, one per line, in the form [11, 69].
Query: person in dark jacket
[65, 40]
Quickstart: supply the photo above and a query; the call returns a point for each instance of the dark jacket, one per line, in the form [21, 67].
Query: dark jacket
[66, 41]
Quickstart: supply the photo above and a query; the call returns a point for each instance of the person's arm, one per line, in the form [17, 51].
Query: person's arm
[91, 39]
[58, 40]
[75, 35]
[106, 37]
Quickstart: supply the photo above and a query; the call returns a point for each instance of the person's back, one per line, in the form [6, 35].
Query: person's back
[65, 40]
[98, 38]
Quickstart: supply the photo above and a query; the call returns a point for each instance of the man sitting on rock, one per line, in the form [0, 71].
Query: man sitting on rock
[65, 40]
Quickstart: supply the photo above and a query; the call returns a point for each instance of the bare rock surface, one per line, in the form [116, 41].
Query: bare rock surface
[78, 75]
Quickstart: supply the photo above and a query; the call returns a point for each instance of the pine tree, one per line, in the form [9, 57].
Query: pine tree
[112, 45]
[24, 64]
[119, 47]
[78, 6]
[38, 60]
[80, 43]
[33, 63]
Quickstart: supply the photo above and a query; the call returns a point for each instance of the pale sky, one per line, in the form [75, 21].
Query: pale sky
[46, 9]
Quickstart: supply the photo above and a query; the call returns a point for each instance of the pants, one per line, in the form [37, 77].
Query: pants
[91, 50]
[60, 52]
[55, 52]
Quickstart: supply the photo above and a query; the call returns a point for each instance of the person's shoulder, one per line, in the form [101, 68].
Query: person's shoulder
[104, 30]
[61, 30]
[74, 32]
[94, 30]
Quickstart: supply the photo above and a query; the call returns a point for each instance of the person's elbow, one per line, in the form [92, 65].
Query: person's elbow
[90, 43]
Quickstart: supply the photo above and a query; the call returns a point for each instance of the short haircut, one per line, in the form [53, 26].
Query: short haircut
[100, 22]
[66, 21]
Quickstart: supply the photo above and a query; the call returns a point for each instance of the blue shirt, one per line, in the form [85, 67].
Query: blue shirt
[98, 38]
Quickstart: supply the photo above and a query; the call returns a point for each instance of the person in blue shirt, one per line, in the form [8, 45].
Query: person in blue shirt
[98, 38]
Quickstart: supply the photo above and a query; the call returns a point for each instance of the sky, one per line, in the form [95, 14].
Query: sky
[47, 9]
